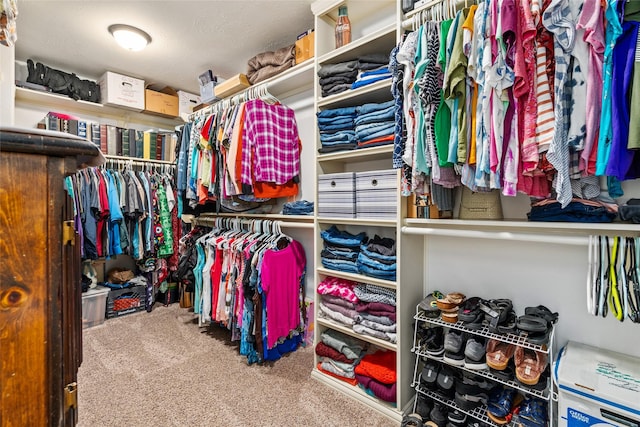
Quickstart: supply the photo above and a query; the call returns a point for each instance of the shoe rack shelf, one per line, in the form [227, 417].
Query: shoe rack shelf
[541, 394]
[518, 340]
[479, 413]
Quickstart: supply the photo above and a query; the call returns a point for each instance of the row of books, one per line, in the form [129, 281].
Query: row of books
[115, 140]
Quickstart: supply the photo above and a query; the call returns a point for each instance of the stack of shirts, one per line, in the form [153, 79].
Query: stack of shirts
[336, 78]
[338, 300]
[341, 250]
[368, 77]
[374, 124]
[377, 258]
[376, 312]
[337, 129]
[376, 374]
[340, 354]
[299, 207]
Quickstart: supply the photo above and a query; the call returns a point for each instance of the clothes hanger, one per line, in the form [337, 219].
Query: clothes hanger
[591, 275]
[614, 294]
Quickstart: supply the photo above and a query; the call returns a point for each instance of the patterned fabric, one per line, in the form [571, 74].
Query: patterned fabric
[396, 89]
[338, 287]
[270, 142]
[557, 19]
[373, 293]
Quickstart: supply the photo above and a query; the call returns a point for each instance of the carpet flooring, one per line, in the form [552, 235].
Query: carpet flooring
[160, 369]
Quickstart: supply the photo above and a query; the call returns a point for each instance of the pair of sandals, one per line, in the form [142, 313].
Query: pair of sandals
[496, 314]
[529, 364]
[439, 378]
[536, 324]
[449, 305]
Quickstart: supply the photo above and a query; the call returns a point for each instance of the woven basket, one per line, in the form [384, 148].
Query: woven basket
[480, 205]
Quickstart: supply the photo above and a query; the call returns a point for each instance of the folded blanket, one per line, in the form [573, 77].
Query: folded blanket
[381, 391]
[324, 350]
[351, 381]
[268, 64]
[380, 366]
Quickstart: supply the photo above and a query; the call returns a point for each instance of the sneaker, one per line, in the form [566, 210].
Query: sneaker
[454, 348]
[475, 353]
[439, 414]
[428, 305]
[423, 406]
[434, 344]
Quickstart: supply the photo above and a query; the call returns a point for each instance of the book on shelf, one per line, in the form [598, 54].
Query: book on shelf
[112, 140]
[125, 142]
[118, 141]
[82, 129]
[73, 126]
[95, 133]
[159, 140]
[139, 144]
[103, 138]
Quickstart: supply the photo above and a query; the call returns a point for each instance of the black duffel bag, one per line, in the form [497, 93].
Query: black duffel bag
[63, 83]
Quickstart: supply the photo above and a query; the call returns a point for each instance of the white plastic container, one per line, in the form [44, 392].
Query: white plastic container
[94, 306]
[597, 387]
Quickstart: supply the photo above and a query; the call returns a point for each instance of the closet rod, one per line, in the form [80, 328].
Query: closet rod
[498, 235]
[290, 224]
[252, 92]
[138, 160]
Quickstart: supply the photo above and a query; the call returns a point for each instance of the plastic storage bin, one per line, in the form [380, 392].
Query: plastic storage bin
[126, 301]
[94, 305]
[597, 387]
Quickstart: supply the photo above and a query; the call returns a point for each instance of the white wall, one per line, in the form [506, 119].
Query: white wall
[7, 89]
[529, 274]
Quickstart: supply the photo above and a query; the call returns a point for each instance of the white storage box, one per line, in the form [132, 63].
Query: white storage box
[336, 195]
[122, 91]
[94, 306]
[377, 194]
[186, 102]
[597, 387]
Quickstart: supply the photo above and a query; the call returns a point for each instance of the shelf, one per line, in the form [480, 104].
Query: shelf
[348, 331]
[64, 104]
[356, 277]
[373, 93]
[138, 160]
[365, 222]
[567, 228]
[479, 413]
[542, 394]
[380, 41]
[357, 393]
[382, 152]
[518, 340]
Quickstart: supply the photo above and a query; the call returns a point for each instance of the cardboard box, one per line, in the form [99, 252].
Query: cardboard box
[231, 86]
[597, 387]
[161, 101]
[122, 91]
[305, 46]
[187, 101]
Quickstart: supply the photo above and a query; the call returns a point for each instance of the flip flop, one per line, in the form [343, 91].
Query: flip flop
[531, 323]
[498, 354]
[529, 365]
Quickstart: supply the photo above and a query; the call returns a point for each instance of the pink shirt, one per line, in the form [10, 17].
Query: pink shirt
[280, 273]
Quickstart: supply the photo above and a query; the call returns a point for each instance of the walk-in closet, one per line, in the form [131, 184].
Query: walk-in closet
[320, 213]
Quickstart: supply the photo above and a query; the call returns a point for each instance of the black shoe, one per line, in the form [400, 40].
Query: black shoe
[457, 418]
[439, 414]
[411, 420]
[429, 375]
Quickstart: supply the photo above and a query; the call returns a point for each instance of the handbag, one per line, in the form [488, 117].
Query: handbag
[480, 205]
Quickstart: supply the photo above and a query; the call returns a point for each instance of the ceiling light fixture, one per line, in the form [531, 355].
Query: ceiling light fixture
[130, 38]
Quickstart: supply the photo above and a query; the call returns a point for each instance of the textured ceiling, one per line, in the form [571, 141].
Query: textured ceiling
[189, 37]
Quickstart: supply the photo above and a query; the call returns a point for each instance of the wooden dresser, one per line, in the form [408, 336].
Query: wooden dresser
[40, 291]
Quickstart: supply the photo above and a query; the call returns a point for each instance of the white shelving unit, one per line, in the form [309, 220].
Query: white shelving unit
[374, 30]
[480, 413]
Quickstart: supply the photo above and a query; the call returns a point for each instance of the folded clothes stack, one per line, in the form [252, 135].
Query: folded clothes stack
[377, 258]
[368, 77]
[337, 129]
[339, 354]
[374, 124]
[268, 64]
[376, 312]
[337, 78]
[376, 374]
[299, 207]
[341, 249]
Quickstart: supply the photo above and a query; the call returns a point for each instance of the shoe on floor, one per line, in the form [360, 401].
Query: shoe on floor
[412, 420]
